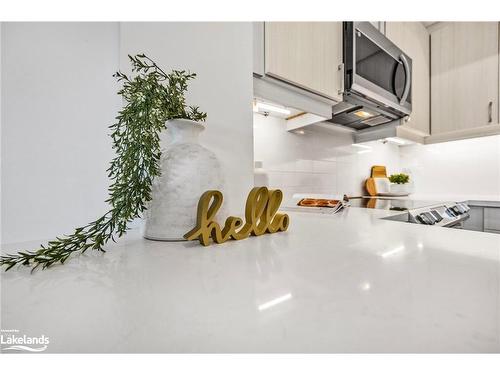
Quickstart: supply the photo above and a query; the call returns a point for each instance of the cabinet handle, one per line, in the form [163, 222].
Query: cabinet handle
[341, 74]
[490, 112]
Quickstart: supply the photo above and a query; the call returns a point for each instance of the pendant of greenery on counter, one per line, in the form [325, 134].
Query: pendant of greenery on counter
[152, 97]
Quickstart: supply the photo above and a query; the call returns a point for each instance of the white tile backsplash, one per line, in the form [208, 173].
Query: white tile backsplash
[320, 161]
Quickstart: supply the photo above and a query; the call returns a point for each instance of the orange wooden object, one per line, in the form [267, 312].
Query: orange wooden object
[370, 186]
[379, 171]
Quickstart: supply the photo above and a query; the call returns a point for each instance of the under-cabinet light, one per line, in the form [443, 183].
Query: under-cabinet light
[363, 114]
[265, 107]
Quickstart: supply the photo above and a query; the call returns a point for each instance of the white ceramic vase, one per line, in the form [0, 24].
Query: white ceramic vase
[187, 171]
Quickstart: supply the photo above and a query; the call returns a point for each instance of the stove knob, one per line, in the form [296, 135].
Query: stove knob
[450, 212]
[465, 207]
[425, 219]
[421, 219]
[430, 217]
[437, 215]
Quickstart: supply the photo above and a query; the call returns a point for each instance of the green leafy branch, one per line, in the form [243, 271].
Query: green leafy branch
[152, 97]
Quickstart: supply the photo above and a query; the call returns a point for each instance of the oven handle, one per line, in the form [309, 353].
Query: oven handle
[406, 91]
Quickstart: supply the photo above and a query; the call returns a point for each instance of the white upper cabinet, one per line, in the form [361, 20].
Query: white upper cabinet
[464, 79]
[306, 54]
[413, 39]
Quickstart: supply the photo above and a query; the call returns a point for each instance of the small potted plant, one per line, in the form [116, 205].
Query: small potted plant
[399, 183]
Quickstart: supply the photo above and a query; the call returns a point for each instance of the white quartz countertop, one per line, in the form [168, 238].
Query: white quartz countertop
[349, 282]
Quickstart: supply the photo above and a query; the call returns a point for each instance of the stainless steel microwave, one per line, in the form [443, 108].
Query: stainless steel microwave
[377, 79]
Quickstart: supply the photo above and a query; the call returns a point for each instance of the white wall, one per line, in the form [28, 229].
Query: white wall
[465, 169]
[221, 56]
[58, 98]
[320, 161]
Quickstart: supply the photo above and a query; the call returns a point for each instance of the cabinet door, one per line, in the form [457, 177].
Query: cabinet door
[476, 219]
[413, 39]
[464, 76]
[305, 54]
[492, 219]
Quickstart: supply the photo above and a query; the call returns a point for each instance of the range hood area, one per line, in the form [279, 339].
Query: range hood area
[305, 113]
[358, 115]
[296, 121]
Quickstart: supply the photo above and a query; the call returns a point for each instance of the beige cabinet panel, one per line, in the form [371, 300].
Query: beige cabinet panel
[476, 219]
[413, 39]
[306, 54]
[492, 219]
[464, 76]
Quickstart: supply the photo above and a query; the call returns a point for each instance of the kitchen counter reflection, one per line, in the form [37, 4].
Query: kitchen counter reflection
[390, 203]
[332, 283]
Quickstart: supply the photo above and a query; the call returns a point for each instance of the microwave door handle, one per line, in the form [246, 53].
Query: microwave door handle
[406, 90]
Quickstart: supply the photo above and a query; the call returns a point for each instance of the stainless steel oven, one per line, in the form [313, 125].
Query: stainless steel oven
[377, 78]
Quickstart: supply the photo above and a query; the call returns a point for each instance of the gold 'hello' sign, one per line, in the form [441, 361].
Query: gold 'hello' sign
[261, 216]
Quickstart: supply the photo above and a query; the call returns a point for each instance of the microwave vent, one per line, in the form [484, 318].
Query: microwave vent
[377, 120]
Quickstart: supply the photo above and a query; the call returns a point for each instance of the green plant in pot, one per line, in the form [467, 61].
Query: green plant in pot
[399, 183]
[152, 97]
[399, 178]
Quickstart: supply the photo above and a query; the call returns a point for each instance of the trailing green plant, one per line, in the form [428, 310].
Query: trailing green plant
[151, 97]
[399, 178]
